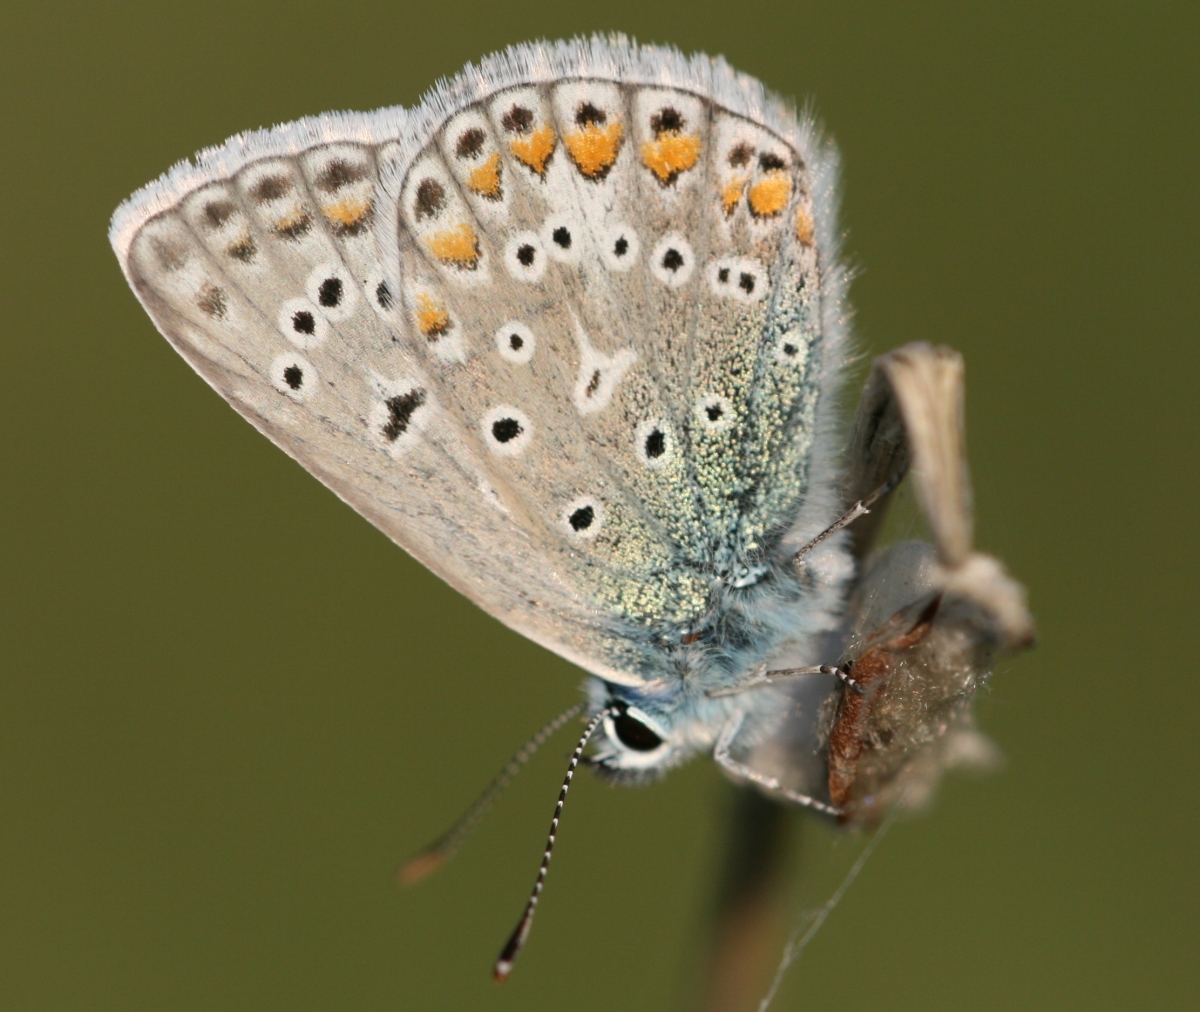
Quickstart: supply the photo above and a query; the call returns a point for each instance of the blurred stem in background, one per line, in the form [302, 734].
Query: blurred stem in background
[746, 935]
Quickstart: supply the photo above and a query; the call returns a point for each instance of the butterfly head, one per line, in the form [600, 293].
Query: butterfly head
[645, 734]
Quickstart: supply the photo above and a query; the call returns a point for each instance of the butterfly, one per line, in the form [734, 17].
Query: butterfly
[571, 332]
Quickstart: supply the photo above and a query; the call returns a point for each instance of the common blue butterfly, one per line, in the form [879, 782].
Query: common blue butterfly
[571, 332]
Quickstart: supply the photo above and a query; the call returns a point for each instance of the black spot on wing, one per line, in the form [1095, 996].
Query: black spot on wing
[303, 322]
[588, 115]
[218, 212]
[270, 188]
[518, 119]
[400, 412]
[213, 301]
[431, 198]
[667, 120]
[740, 155]
[330, 292]
[582, 518]
[244, 249]
[505, 430]
[470, 143]
[340, 173]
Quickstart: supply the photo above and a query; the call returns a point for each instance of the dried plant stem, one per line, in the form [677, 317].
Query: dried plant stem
[746, 936]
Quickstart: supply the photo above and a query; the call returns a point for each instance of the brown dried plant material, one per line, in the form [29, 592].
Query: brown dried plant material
[927, 622]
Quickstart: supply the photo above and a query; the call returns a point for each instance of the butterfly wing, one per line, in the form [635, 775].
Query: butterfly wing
[567, 342]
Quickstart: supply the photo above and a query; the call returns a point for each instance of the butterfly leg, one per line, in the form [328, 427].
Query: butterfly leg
[841, 673]
[860, 508]
[739, 769]
[764, 678]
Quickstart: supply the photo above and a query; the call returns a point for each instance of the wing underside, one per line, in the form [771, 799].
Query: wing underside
[570, 343]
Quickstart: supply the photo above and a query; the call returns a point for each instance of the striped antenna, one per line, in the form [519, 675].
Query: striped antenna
[516, 940]
[444, 847]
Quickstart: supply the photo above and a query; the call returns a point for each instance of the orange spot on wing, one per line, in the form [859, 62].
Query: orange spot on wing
[731, 193]
[671, 154]
[534, 150]
[804, 227]
[294, 225]
[485, 180]
[595, 147]
[770, 194]
[433, 320]
[348, 212]
[458, 245]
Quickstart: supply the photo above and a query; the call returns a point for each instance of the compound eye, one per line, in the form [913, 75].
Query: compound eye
[634, 734]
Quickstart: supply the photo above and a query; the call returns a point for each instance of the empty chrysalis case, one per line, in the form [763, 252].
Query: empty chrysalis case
[927, 620]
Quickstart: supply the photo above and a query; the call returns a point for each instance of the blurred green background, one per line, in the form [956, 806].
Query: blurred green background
[215, 747]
